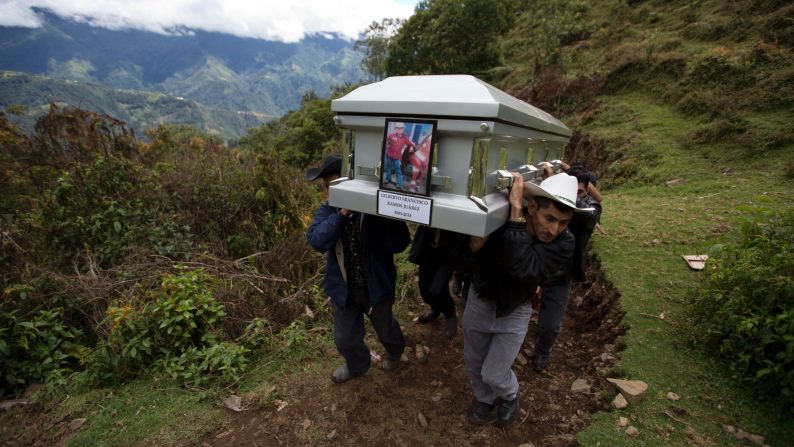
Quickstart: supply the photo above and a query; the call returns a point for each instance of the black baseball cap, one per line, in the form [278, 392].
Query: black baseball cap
[331, 165]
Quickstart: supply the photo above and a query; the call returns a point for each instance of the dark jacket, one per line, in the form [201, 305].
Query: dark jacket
[380, 239]
[433, 245]
[511, 264]
[581, 226]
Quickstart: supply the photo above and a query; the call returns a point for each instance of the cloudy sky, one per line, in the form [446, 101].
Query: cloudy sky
[285, 20]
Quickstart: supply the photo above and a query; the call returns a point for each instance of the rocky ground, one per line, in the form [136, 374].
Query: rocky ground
[426, 403]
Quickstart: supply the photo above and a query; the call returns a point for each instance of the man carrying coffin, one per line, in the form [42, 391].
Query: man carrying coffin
[507, 267]
[360, 276]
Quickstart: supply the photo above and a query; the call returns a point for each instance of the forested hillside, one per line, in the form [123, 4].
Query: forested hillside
[138, 109]
[146, 282]
[233, 82]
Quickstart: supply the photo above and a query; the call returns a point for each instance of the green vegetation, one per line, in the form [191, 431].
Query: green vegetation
[450, 36]
[140, 254]
[745, 310]
[303, 135]
[118, 256]
[32, 95]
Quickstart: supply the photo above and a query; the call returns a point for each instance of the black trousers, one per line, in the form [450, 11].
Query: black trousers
[553, 303]
[434, 286]
[349, 333]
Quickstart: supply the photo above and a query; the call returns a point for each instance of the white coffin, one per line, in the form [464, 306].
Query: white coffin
[482, 132]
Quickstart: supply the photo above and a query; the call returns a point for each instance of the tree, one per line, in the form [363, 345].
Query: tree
[543, 29]
[375, 46]
[301, 136]
[451, 36]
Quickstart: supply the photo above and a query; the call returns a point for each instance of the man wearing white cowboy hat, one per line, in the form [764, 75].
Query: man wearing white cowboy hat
[507, 268]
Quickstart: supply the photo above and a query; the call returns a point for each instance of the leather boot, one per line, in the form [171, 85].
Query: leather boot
[481, 413]
[342, 374]
[506, 412]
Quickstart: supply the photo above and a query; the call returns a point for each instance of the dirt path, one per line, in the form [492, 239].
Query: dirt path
[384, 408]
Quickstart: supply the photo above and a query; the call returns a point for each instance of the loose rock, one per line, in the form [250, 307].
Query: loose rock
[421, 354]
[623, 421]
[8, 404]
[633, 390]
[422, 420]
[580, 386]
[619, 402]
[672, 396]
[745, 436]
[331, 436]
[521, 359]
[233, 403]
[76, 424]
[632, 431]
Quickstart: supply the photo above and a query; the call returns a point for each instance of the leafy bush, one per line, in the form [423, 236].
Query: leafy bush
[33, 346]
[745, 309]
[111, 206]
[175, 330]
[238, 201]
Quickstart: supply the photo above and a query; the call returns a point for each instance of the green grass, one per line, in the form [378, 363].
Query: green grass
[140, 411]
[155, 411]
[650, 227]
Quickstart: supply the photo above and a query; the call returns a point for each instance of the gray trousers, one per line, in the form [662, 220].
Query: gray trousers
[490, 346]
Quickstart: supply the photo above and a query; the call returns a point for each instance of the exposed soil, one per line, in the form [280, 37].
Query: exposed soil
[384, 408]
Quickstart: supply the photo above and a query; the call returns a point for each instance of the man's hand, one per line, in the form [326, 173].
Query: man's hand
[344, 212]
[548, 170]
[476, 243]
[516, 196]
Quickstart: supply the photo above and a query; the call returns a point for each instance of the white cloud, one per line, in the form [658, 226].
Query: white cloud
[285, 20]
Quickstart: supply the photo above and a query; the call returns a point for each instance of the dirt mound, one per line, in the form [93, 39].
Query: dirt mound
[427, 403]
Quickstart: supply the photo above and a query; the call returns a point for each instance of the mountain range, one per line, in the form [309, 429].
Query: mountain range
[206, 73]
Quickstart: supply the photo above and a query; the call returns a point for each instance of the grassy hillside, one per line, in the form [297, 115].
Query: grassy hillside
[140, 110]
[699, 92]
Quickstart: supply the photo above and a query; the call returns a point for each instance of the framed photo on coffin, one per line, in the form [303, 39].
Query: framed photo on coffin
[406, 156]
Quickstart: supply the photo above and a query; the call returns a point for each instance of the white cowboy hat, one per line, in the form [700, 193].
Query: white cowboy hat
[560, 188]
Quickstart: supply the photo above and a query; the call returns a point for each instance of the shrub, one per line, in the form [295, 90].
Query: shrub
[109, 206]
[744, 312]
[34, 346]
[174, 330]
[720, 67]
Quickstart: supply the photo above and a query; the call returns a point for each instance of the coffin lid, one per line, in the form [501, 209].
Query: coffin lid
[445, 96]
